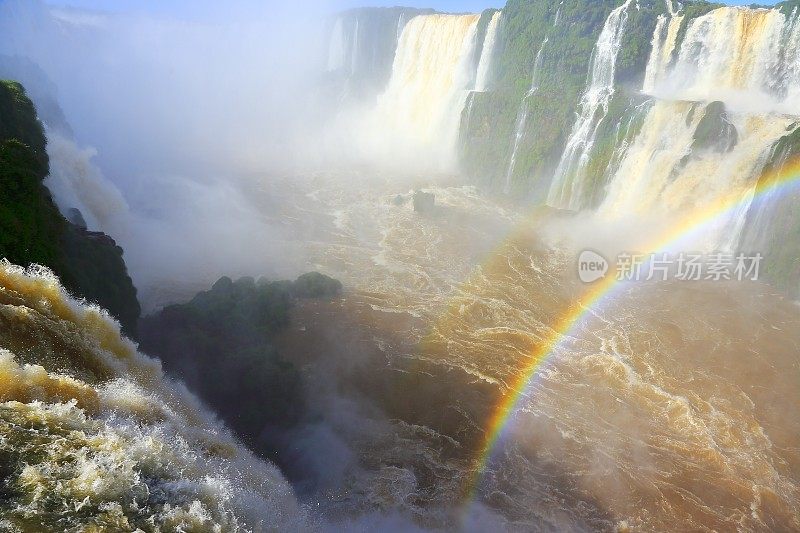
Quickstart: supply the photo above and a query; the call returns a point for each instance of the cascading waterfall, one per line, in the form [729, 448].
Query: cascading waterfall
[401, 23]
[95, 438]
[729, 54]
[663, 172]
[354, 53]
[785, 69]
[537, 68]
[565, 191]
[522, 116]
[671, 7]
[519, 133]
[76, 182]
[432, 74]
[487, 54]
[678, 162]
[665, 39]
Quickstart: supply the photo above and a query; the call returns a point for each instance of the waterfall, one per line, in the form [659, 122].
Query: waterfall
[337, 55]
[431, 76]
[354, 50]
[519, 133]
[537, 68]
[565, 191]
[663, 172]
[729, 54]
[76, 182]
[522, 116]
[663, 47]
[401, 22]
[92, 422]
[487, 54]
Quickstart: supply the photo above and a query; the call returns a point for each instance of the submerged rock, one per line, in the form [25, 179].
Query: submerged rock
[424, 202]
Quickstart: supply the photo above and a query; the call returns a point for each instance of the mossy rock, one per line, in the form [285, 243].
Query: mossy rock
[715, 131]
[316, 285]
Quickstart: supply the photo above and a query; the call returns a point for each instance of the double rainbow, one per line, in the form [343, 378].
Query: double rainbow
[778, 182]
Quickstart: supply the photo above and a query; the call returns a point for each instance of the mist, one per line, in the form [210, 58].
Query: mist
[174, 121]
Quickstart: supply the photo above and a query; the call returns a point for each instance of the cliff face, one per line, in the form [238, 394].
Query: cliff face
[546, 63]
[626, 109]
[32, 230]
[362, 46]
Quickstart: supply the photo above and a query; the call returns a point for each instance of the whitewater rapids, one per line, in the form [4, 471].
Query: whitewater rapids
[672, 406]
[93, 437]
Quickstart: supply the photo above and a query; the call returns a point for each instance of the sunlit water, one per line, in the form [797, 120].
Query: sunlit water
[674, 407]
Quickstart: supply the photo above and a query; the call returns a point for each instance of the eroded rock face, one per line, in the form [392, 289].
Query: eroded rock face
[715, 131]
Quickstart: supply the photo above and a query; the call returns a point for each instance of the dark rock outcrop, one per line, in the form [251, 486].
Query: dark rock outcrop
[715, 131]
[32, 230]
[221, 344]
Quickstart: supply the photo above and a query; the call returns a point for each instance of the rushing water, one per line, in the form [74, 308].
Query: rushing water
[522, 116]
[566, 189]
[487, 53]
[671, 407]
[94, 438]
[432, 73]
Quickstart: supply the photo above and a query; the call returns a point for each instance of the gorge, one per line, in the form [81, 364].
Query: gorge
[431, 181]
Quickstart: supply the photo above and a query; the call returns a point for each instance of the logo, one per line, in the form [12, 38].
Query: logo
[591, 266]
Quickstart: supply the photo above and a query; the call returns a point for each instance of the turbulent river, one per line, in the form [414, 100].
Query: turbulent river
[672, 406]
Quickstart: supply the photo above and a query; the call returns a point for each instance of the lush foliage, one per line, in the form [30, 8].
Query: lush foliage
[488, 137]
[781, 244]
[33, 231]
[567, 33]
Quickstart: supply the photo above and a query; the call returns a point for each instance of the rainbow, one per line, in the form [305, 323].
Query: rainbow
[776, 182]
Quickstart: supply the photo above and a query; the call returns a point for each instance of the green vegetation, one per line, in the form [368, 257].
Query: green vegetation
[789, 6]
[488, 138]
[780, 244]
[221, 345]
[32, 230]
